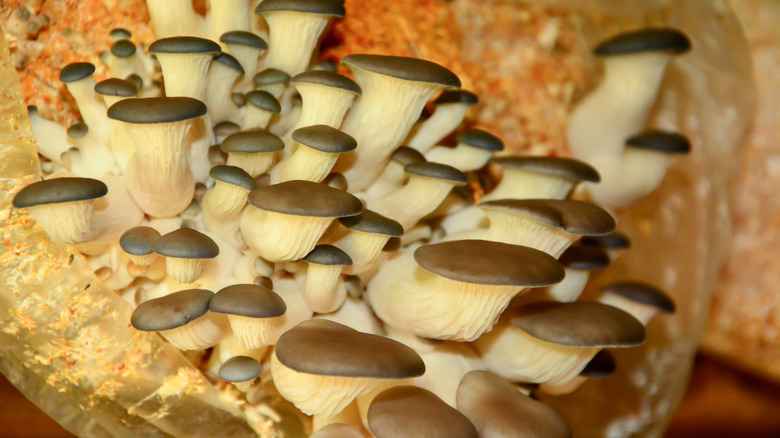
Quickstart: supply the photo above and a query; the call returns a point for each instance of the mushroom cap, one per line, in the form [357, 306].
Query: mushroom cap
[409, 411]
[238, 98]
[576, 217]
[250, 300]
[327, 79]
[328, 255]
[150, 110]
[584, 258]
[77, 130]
[57, 190]
[491, 263]
[116, 87]
[373, 223]
[171, 311]
[499, 410]
[225, 128]
[559, 167]
[118, 33]
[186, 243]
[135, 80]
[233, 175]
[602, 365]
[251, 141]
[327, 348]
[661, 141]
[325, 139]
[271, 76]
[658, 39]
[240, 369]
[393, 244]
[139, 240]
[642, 293]
[334, 8]
[579, 324]
[305, 198]
[264, 100]
[76, 71]
[456, 96]
[437, 171]
[184, 45]
[406, 155]
[243, 38]
[230, 61]
[615, 240]
[408, 69]
[123, 49]
[481, 139]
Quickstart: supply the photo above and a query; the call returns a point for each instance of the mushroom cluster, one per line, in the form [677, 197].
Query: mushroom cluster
[312, 237]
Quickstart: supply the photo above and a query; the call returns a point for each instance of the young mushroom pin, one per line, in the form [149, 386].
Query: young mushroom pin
[241, 371]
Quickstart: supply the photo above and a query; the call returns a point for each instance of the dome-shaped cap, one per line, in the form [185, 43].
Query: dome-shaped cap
[225, 128]
[326, 79]
[116, 87]
[481, 139]
[373, 223]
[615, 240]
[405, 155]
[263, 100]
[233, 175]
[584, 258]
[271, 76]
[661, 141]
[240, 369]
[491, 263]
[139, 240]
[567, 168]
[327, 348]
[57, 190]
[576, 217]
[602, 365]
[250, 300]
[123, 49]
[456, 96]
[305, 198]
[243, 38]
[328, 255]
[119, 33]
[184, 45]
[325, 139]
[76, 71]
[645, 40]
[150, 110]
[77, 130]
[408, 69]
[186, 243]
[334, 8]
[229, 61]
[252, 141]
[437, 171]
[171, 311]
[642, 293]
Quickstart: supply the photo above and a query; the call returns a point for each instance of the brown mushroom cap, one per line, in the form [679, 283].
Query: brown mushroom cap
[116, 87]
[57, 190]
[576, 217]
[481, 139]
[406, 155]
[77, 130]
[642, 293]
[456, 96]
[602, 365]
[305, 198]
[487, 262]
[660, 141]
[437, 171]
[264, 100]
[614, 240]
[240, 369]
[233, 175]
[248, 300]
[186, 243]
[409, 411]
[243, 38]
[225, 128]
[139, 240]
[123, 49]
[328, 255]
[171, 311]
[76, 71]
[184, 45]
[559, 167]
[579, 324]
[321, 7]
[373, 223]
[251, 141]
[584, 258]
[323, 347]
[327, 79]
[645, 40]
[325, 139]
[229, 61]
[156, 110]
[271, 76]
[409, 69]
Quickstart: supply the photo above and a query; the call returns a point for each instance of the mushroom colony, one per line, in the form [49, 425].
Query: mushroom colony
[305, 234]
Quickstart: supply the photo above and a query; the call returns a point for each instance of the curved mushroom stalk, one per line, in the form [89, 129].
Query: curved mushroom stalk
[518, 230]
[204, 332]
[520, 184]
[640, 300]
[122, 146]
[305, 164]
[394, 176]
[174, 18]
[223, 74]
[261, 107]
[281, 237]
[246, 47]
[114, 213]
[628, 177]
[227, 16]
[228, 196]
[91, 158]
[80, 82]
[323, 289]
[254, 164]
[51, 138]
[363, 248]
[451, 109]
[571, 287]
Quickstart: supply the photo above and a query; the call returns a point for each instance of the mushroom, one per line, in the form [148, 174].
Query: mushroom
[321, 366]
[634, 66]
[63, 207]
[294, 28]
[185, 250]
[157, 175]
[175, 17]
[137, 242]
[51, 138]
[323, 290]
[223, 74]
[253, 312]
[474, 149]
[262, 106]
[641, 300]
[540, 177]
[318, 148]
[229, 15]
[78, 78]
[394, 176]
[113, 90]
[284, 221]
[552, 342]
[245, 46]
[638, 170]
[456, 290]
[602, 365]
[182, 318]
[613, 243]
[119, 33]
[253, 150]
[498, 410]
[451, 107]
[272, 80]
[228, 195]
[241, 371]
[395, 89]
[577, 261]
[122, 58]
[365, 237]
[408, 411]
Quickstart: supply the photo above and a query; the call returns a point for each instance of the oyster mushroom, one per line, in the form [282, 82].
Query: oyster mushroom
[253, 311]
[641, 300]
[245, 46]
[138, 243]
[228, 195]
[531, 177]
[365, 237]
[113, 90]
[394, 176]
[261, 106]
[602, 365]
[612, 243]
[228, 15]
[78, 78]
[253, 150]
[323, 290]
[451, 107]
[317, 149]
[577, 261]
[473, 150]
[272, 80]
[185, 251]
[241, 371]
[122, 58]
[225, 71]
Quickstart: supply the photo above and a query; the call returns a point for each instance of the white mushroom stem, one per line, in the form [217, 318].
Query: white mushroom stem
[468, 219]
[227, 15]
[224, 199]
[428, 133]
[642, 312]
[618, 108]
[51, 138]
[143, 260]
[67, 222]
[363, 249]
[521, 184]
[292, 38]
[122, 67]
[391, 178]
[91, 107]
[462, 157]
[410, 203]
[323, 290]
[628, 177]
[247, 56]
[321, 106]
[419, 233]
[307, 164]
[253, 333]
[255, 117]
[275, 90]
[183, 270]
[206, 331]
[175, 18]
[226, 227]
[254, 164]
[221, 80]
[571, 287]
[230, 347]
[122, 145]
[517, 356]
[280, 237]
[90, 158]
[566, 388]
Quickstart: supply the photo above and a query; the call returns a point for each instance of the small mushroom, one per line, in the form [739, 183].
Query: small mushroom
[228, 195]
[253, 150]
[365, 237]
[451, 107]
[531, 177]
[122, 58]
[224, 129]
[262, 105]
[271, 80]
[185, 251]
[613, 243]
[641, 300]
[323, 290]
[577, 261]
[394, 175]
[602, 365]
[137, 242]
[245, 46]
[122, 146]
[119, 33]
[473, 150]
[253, 312]
[317, 149]
[225, 71]
[78, 78]
[241, 371]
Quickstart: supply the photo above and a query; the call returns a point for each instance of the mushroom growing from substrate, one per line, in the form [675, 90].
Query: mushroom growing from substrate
[253, 312]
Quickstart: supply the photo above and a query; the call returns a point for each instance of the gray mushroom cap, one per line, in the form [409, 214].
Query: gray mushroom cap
[225, 128]
[185, 45]
[408, 69]
[327, 348]
[456, 96]
[264, 100]
[584, 258]
[373, 223]
[233, 175]
[229, 61]
[409, 411]
[119, 33]
[186, 243]
[151, 110]
[135, 80]
[139, 240]
[326, 79]
[116, 87]
[240, 369]
[436, 171]
[76, 71]
[576, 217]
[645, 40]
[642, 293]
[328, 255]
[243, 38]
[615, 240]
[58, 190]
[325, 139]
[77, 130]
[252, 141]
[305, 198]
[567, 168]
[405, 155]
[579, 324]
[123, 49]
[271, 76]
[660, 141]
[250, 300]
[490, 263]
[602, 365]
[481, 139]
[333, 8]
[171, 311]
